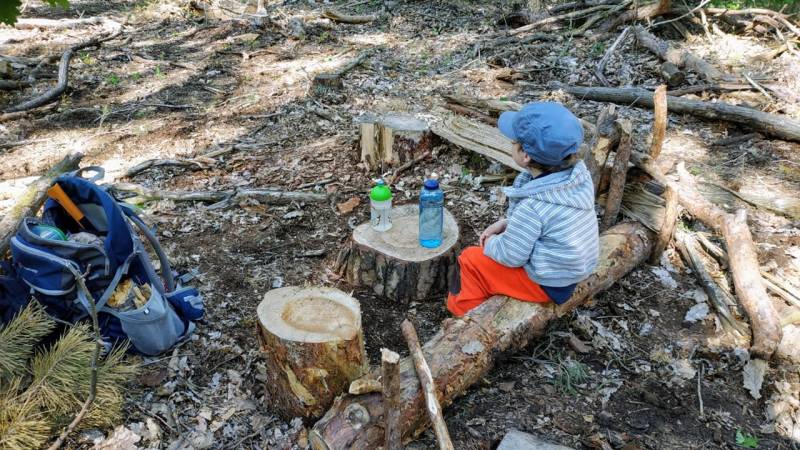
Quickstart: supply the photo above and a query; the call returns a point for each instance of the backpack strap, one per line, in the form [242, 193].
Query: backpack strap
[166, 269]
[99, 173]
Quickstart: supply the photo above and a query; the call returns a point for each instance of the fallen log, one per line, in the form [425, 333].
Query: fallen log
[479, 138]
[325, 82]
[681, 58]
[63, 75]
[194, 163]
[743, 262]
[313, 347]
[638, 13]
[432, 405]
[336, 16]
[465, 349]
[671, 74]
[61, 24]
[270, 196]
[566, 16]
[33, 198]
[390, 377]
[775, 125]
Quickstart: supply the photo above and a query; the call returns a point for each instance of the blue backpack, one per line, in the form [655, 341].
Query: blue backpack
[50, 269]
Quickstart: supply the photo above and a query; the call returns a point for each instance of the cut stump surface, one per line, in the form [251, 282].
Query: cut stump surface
[313, 348]
[394, 263]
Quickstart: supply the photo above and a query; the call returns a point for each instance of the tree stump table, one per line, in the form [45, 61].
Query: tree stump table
[394, 263]
[313, 348]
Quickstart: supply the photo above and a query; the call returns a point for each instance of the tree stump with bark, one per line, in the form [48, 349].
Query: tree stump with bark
[313, 348]
[394, 263]
[393, 139]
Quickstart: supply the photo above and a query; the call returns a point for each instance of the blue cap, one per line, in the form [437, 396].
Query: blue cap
[431, 184]
[548, 131]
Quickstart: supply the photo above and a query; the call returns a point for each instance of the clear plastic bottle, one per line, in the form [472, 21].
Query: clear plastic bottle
[431, 213]
[380, 202]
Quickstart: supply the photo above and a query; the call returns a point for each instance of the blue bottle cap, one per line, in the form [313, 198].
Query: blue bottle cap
[431, 184]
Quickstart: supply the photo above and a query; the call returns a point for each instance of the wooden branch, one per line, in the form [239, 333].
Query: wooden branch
[606, 138]
[602, 64]
[390, 377]
[396, 175]
[31, 200]
[567, 16]
[743, 263]
[61, 24]
[195, 163]
[639, 13]
[660, 121]
[719, 297]
[63, 75]
[772, 124]
[667, 226]
[757, 11]
[432, 405]
[682, 59]
[13, 85]
[619, 173]
[336, 16]
[330, 81]
[671, 74]
[465, 349]
[268, 196]
[98, 342]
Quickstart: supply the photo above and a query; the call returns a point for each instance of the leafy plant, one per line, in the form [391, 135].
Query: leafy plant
[9, 9]
[570, 374]
[158, 73]
[112, 79]
[746, 440]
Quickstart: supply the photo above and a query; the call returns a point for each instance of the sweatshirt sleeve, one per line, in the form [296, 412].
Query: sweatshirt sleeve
[513, 247]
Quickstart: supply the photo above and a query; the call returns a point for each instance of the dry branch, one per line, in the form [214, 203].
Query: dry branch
[606, 138]
[465, 349]
[336, 16]
[32, 199]
[772, 124]
[432, 405]
[390, 377]
[619, 173]
[681, 58]
[61, 24]
[63, 75]
[567, 16]
[639, 13]
[667, 226]
[269, 196]
[195, 163]
[659, 122]
[743, 263]
[602, 64]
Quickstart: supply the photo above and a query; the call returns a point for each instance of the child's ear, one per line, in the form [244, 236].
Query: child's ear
[526, 158]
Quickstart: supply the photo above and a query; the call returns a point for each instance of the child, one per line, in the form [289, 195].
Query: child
[549, 240]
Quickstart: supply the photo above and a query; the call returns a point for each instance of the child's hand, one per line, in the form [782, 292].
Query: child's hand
[495, 228]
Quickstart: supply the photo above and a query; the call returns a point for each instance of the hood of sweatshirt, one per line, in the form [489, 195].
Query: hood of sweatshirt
[572, 188]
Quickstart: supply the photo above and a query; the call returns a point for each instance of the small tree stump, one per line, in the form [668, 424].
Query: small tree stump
[394, 263]
[393, 139]
[313, 348]
[324, 83]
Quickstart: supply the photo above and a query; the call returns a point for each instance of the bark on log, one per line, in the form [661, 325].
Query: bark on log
[479, 138]
[682, 59]
[619, 173]
[743, 262]
[313, 348]
[638, 13]
[606, 138]
[432, 405]
[390, 377]
[659, 121]
[393, 139]
[61, 24]
[671, 74]
[667, 226]
[775, 125]
[465, 349]
[31, 200]
[324, 83]
[394, 263]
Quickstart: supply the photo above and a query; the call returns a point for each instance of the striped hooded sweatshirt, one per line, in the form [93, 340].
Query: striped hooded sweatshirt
[552, 229]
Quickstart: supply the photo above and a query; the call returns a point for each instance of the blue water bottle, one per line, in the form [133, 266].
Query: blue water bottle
[431, 213]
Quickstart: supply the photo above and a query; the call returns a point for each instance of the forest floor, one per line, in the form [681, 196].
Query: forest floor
[624, 371]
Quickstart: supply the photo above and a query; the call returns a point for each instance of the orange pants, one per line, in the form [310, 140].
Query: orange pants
[481, 277]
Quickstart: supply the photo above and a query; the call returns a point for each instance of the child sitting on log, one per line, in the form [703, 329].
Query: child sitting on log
[549, 240]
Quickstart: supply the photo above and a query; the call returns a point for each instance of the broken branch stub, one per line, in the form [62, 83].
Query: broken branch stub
[313, 347]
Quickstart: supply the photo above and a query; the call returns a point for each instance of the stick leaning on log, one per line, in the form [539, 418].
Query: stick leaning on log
[465, 349]
[32, 199]
[428, 388]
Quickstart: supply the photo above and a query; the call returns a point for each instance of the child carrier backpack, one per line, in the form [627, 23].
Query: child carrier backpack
[131, 300]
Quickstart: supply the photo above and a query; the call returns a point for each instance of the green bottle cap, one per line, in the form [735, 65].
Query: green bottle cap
[381, 192]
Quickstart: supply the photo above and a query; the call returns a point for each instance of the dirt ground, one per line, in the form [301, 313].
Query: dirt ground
[625, 371]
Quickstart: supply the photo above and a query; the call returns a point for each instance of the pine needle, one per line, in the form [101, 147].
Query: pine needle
[22, 426]
[18, 338]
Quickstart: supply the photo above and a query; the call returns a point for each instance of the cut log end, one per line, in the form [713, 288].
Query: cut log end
[394, 263]
[313, 347]
[393, 139]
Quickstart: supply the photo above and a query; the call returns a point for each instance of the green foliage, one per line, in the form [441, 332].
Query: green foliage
[570, 374]
[158, 73]
[746, 440]
[9, 9]
[41, 390]
[112, 79]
